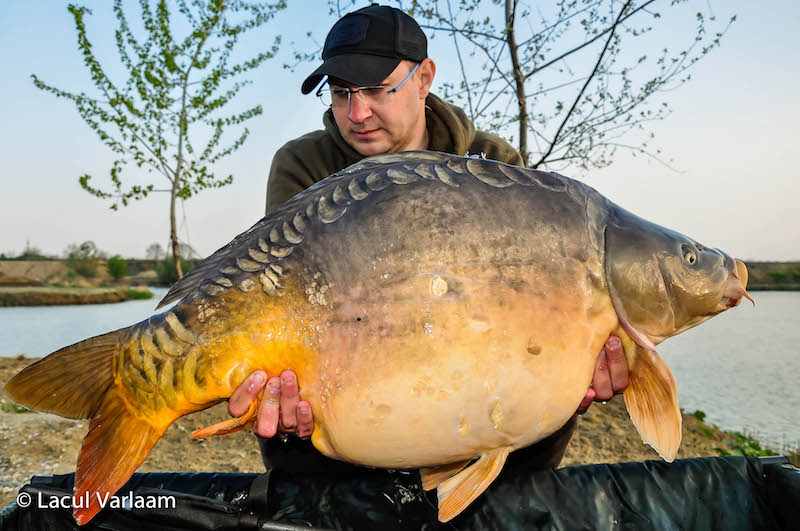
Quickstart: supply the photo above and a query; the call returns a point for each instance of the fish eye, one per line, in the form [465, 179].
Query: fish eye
[688, 255]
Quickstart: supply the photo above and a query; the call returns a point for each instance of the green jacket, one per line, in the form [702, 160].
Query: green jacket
[307, 160]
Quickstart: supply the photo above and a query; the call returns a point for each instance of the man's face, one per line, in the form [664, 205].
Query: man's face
[397, 125]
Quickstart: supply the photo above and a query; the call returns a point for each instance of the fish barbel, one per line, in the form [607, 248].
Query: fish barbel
[436, 309]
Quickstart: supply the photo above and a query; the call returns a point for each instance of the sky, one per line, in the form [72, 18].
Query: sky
[733, 139]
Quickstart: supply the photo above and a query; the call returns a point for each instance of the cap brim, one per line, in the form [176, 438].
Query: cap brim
[359, 69]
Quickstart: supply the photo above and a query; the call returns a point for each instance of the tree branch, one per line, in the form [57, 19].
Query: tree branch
[590, 41]
[583, 89]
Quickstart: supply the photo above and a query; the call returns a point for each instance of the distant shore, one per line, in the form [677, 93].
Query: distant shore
[773, 276]
[54, 283]
[773, 287]
[55, 296]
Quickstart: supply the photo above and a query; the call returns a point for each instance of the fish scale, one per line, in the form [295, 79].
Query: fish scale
[436, 309]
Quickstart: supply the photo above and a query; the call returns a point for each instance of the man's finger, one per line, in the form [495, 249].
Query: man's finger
[290, 396]
[305, 419]
[267, 419]
[587, 401]
[601, 380]
[246, 393]
[617, 364]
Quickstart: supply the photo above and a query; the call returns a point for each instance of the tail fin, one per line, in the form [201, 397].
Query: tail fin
[78, 382]
[117, 443]
[70, 382]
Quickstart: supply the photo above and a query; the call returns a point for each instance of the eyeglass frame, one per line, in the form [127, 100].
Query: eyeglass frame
[351, 91]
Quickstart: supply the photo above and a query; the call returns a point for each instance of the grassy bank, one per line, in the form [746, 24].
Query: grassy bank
[52, 296]
[742, 444]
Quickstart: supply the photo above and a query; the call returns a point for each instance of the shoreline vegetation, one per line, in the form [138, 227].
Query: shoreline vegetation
[774, 276]
[55, 296]
[60, 282]
[45, 444]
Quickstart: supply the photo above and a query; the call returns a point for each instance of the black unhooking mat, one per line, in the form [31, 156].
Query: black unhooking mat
[726, 493]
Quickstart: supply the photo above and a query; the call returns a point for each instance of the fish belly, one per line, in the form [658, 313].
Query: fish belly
[420, 379]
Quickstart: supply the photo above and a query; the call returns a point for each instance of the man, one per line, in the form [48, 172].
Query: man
[378, 88]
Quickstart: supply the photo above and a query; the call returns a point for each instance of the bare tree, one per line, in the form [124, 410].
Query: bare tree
[567, 83]
[154, 251]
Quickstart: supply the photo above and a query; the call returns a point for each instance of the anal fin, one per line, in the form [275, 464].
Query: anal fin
[231, 425]
[434, 476]
[456, 493]
[652, 402]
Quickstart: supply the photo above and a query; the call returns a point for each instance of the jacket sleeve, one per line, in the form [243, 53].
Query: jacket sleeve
[300, 164]
[288, 176]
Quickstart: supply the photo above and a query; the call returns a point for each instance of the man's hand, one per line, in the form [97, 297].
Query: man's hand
[281, 411]
[610, 374]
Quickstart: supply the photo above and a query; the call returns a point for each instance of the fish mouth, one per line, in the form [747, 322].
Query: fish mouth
[735, 289]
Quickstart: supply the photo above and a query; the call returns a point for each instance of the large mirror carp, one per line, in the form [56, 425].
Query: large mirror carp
[438, 310]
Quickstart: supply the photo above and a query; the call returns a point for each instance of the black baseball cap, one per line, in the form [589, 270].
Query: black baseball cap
[365, 46]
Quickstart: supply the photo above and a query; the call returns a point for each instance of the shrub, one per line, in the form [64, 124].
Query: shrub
[744, 445]
[167, 275]
[136, 294]
[83, 259]
[705, 431]
[117, 266]
[700, 415]
[785, 276]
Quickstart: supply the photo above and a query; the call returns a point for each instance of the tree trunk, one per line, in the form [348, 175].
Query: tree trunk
[173, 230]
[179, 161]
[519, 80]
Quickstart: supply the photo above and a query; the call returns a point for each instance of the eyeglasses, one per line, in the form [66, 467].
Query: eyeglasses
[374, 96]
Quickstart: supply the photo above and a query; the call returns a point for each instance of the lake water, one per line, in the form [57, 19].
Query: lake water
[40, 330]
[742, 367]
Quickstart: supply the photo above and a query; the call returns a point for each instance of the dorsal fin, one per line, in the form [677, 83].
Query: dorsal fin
[214, 263]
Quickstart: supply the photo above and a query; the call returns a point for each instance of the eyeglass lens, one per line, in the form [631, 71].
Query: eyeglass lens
[372, 96]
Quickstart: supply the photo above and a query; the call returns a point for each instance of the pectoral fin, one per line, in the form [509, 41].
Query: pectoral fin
[432, 477]
[231, 425]
[456, 493]
[652, 401]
